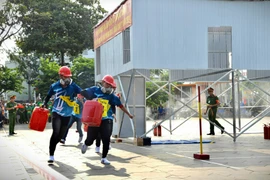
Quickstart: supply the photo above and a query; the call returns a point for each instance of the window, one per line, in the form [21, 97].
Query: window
[219, 47]
[126, 46]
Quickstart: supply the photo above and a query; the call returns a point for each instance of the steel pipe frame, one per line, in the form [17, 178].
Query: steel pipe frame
[185, 104]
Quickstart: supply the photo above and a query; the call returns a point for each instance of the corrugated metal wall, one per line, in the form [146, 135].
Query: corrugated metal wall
[111, 58]
[173, 34]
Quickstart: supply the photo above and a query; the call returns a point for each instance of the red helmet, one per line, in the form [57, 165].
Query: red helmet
[110, 80]
[65, 71]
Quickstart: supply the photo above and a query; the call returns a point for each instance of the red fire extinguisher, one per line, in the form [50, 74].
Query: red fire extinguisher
[266, 130]
[157, 130]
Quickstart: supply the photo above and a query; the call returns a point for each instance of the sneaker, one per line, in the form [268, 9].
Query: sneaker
[97, 149]
[84, 148]
[62, 141]
[51, 159]
[80, 139]
[105, 161]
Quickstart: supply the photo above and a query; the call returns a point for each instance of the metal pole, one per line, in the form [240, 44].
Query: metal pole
[169, 107]
[238, 105]
[200, 119]
[233, 101]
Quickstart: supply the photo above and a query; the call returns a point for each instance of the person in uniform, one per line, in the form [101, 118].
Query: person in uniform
[212, 105]
[12, 109]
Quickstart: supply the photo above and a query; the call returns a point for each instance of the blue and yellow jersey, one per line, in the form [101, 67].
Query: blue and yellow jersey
[77, 109]
[63, 98]
[108, 101]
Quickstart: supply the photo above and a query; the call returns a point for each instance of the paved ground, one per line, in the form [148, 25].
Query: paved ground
[25, 155]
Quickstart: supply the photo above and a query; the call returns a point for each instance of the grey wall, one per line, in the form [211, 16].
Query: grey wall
[173, 34]
[136, 102]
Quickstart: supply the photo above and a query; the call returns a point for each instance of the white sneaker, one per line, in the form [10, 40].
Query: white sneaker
[80, 139]
[84, 148]
[51, 159]
[105, 161]
[97, 149]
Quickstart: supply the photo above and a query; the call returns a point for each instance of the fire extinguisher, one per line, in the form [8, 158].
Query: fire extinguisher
[159, 130]
[155, 130]
[266, 131]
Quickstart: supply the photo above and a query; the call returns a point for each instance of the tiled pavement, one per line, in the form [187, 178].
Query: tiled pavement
[24, 156]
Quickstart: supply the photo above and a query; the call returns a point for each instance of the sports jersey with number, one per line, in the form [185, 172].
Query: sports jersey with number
[63, 98]
[77, 109]
[108, 101]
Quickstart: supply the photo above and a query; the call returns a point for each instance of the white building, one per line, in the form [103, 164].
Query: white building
[190, 38]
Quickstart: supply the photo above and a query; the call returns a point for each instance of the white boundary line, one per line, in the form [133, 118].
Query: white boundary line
[247, 157]
[209, 162]
[41, 167]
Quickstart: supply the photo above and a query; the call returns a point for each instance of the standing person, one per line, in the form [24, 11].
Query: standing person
[2, 113]
[64, 90]
[212, 105]
[12, 109]
[76, 117]
[160, 111]
[104, 94]
[23, 114]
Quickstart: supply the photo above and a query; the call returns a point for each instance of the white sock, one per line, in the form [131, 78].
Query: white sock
[52, 158]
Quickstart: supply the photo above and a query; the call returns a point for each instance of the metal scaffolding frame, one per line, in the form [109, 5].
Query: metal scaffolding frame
[235, 80]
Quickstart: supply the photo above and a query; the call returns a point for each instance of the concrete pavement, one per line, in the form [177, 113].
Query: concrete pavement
[25, 155]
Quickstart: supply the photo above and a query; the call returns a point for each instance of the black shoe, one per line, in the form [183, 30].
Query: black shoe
[50, 161]
[14, 133]
[222, 131]
[211, 134]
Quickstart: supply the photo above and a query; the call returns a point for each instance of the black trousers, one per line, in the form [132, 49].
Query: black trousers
[105, 131]
[59, 126]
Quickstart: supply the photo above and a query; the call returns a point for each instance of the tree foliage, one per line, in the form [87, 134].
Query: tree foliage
[59, 26]
[11, 80]
[47, 76]
[10, 17]
[159, 97]
[28, 65]
[83, 72]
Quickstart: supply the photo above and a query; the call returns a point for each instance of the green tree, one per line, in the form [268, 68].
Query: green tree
[47, 76]
[159, 97]
[59, 26]
[11, 80]
[10, 16]
[28, 65]
[83, 72]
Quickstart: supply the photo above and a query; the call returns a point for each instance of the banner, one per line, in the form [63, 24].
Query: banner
[114, 24]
